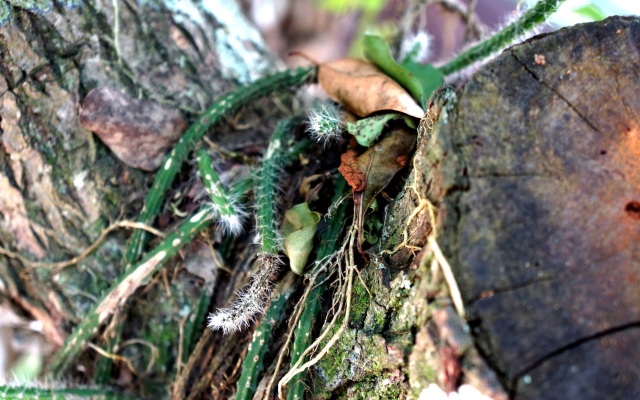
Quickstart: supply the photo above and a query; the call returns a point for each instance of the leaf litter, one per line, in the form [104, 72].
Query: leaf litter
[364, 89]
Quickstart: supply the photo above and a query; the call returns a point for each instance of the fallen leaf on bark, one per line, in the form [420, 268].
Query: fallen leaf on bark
[363, 89]
[139, 132]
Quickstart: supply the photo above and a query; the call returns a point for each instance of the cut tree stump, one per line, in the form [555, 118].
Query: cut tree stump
[537, 176]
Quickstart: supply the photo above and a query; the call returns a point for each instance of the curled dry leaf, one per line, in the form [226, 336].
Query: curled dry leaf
[363, 89]
[350, 171]
[299, 227]
[381, 162]
[369, 173]
[139, 132]
[310, 187]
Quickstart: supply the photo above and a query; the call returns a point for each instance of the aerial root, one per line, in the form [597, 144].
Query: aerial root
[344, 267]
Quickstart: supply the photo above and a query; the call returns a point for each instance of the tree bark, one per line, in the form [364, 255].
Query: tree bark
[60, 187]
[537, 181]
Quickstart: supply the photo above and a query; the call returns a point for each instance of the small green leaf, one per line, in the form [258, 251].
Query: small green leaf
[342, 6]
[429, 77]
[298, 229]
[377, 51]
[367, 130]
[419, 80]
[590, 11]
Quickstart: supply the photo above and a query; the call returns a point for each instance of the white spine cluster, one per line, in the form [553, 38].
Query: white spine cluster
[416, 47]
[225, 208]
[325, 123]
[251, 300]
[233, 222]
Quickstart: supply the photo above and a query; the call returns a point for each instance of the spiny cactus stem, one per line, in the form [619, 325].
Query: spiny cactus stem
[253, 363]
[533, 17]
[251, 299]
[118, 294]
[230, 216]
[227, 104]
[304, 327]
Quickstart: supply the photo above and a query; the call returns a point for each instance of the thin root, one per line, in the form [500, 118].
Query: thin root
[344, 301]
[57, 266]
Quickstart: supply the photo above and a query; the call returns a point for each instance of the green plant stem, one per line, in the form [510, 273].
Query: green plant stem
[118, 294]
[253, 363]
[534, 16]
[252, 299]
[30, 392]
[223, 205]
[227, 104]
[104, 364]
[272, 163]
[302, 334]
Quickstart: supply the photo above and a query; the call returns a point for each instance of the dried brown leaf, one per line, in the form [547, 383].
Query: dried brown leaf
[369, 173]
[139, 132]
[363, 89]
[381, 162]
[351, 172]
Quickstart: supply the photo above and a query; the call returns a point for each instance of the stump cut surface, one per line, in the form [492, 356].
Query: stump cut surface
[543, 223]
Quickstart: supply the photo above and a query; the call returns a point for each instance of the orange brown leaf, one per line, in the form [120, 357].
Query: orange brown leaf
[350, 171]
[363, 89]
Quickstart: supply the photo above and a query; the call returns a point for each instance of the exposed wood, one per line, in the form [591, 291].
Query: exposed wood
[539, 184]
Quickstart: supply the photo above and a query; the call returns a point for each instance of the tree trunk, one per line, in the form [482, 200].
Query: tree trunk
[537, 179]
[60, 187]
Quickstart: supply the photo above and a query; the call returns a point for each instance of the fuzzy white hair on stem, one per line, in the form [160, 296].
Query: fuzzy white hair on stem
[223, 206]
[251, 300]
[232, 224]
[232, 221]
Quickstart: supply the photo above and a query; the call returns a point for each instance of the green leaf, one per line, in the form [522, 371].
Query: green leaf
[377, 51]
[419, 80]
[367, 130]
[429, 77]
[590, 11]
[298, 229]
[342, 6]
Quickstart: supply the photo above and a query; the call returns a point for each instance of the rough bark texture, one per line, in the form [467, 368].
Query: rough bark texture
[537, 174]
[60, 186]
